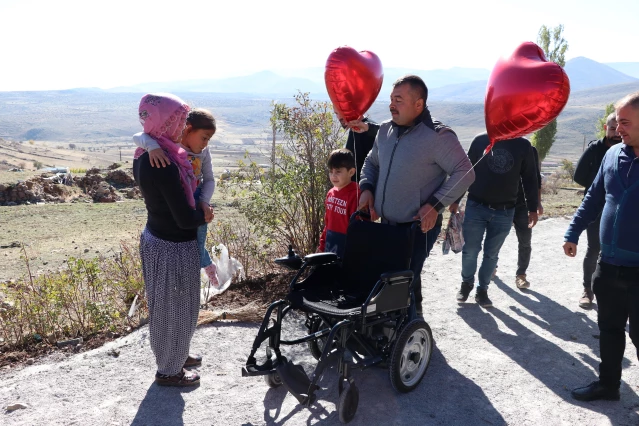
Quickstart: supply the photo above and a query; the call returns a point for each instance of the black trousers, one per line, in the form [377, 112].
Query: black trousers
[422, 246]
[592, 252]
[617, 291]
[524, 238]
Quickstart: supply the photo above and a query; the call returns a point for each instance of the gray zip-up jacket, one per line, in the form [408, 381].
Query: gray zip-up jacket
[405, 172]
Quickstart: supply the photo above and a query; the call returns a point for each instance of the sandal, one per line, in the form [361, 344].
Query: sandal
[184, 378]
[193, 361]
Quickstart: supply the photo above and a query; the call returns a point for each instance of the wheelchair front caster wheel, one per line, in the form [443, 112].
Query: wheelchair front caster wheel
[410, 356]
[317, 346]
[273, 380]
[347, 403]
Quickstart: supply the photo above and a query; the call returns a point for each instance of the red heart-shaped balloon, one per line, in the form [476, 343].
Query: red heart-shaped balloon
[525, 92]
[353, 81]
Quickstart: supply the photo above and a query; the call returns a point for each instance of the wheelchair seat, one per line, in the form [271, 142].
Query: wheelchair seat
[371, 250]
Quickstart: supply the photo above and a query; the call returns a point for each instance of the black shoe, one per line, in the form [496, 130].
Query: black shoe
[595, 391]
[464, 291]
[481, 297]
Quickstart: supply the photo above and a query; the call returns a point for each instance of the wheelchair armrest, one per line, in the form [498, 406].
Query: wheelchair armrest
[396, 276]
[320, 259]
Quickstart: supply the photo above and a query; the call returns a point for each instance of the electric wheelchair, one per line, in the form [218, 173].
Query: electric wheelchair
[359, 312]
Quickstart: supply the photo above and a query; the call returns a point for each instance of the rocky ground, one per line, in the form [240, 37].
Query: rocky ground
[512, 364]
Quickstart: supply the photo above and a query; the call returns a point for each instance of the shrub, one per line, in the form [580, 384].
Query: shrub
[89, 296]
[252, 251]
[568, 167]
[286, 205]
[38, 165]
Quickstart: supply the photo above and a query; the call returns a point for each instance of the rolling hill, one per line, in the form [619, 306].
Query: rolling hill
[107, 117]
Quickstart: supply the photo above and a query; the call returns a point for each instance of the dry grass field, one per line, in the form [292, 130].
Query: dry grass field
[53, 232]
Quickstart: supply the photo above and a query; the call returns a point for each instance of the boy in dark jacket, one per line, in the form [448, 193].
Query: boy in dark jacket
[585, 173]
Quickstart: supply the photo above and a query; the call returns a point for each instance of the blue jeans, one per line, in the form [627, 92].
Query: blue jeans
[496, 224]
[205, 258]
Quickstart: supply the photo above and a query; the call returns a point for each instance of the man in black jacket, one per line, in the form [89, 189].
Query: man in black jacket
[361, 138]
[585, 173]
[522, 228]
[490, 207]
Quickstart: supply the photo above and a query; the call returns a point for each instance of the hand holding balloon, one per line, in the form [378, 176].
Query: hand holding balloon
[358, 126]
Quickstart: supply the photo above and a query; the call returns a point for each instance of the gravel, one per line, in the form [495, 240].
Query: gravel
[512, 364]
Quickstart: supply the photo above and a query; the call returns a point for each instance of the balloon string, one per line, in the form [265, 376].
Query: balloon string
[356, 169]
[457, 183]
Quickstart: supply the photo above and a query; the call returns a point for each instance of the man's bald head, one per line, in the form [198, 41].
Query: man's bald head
[631, 100]
[612, 136]
[627, 110]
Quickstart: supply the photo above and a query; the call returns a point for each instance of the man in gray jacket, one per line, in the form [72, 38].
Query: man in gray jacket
[416, 168]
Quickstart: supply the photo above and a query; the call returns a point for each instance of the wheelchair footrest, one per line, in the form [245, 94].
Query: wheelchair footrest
[258, 370]
[296, 381]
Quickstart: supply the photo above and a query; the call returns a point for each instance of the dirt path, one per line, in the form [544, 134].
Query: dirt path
[513, 364]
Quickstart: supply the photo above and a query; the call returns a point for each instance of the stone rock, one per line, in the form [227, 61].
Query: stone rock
[71, 342]
[16, 406]
[30, 361]
[114, 353]
[120, 178]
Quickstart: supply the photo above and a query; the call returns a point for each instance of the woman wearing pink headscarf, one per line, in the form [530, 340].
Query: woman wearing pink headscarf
[168, 246]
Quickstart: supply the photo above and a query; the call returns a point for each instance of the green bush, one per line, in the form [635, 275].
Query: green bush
[286, 205]
[255, 253]
[87, 297]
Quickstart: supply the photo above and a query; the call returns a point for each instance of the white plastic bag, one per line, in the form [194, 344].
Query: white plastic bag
[227, 269]
[454, 235]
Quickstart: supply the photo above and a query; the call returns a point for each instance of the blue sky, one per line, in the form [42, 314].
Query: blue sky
[62, 44]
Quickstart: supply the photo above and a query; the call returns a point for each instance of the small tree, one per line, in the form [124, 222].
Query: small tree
[71, 146]
[601, 132]
[554, 46]
[569, 168]
[286, 206]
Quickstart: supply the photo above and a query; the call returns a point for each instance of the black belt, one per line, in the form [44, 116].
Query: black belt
[439, 221]
[492, 206]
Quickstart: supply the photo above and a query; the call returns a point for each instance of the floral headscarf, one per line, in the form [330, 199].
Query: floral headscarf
[163, 117]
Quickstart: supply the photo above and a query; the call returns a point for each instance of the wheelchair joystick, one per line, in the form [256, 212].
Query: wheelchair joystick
[292, 261]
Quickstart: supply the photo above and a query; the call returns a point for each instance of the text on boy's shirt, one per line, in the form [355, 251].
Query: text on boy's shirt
[336, 205]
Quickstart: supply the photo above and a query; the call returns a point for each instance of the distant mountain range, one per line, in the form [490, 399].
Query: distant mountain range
[242, 104]
[454, 85]
[628, 68]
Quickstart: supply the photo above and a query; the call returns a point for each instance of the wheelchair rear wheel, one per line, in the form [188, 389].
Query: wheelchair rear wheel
[273, 380]
[410, 356]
